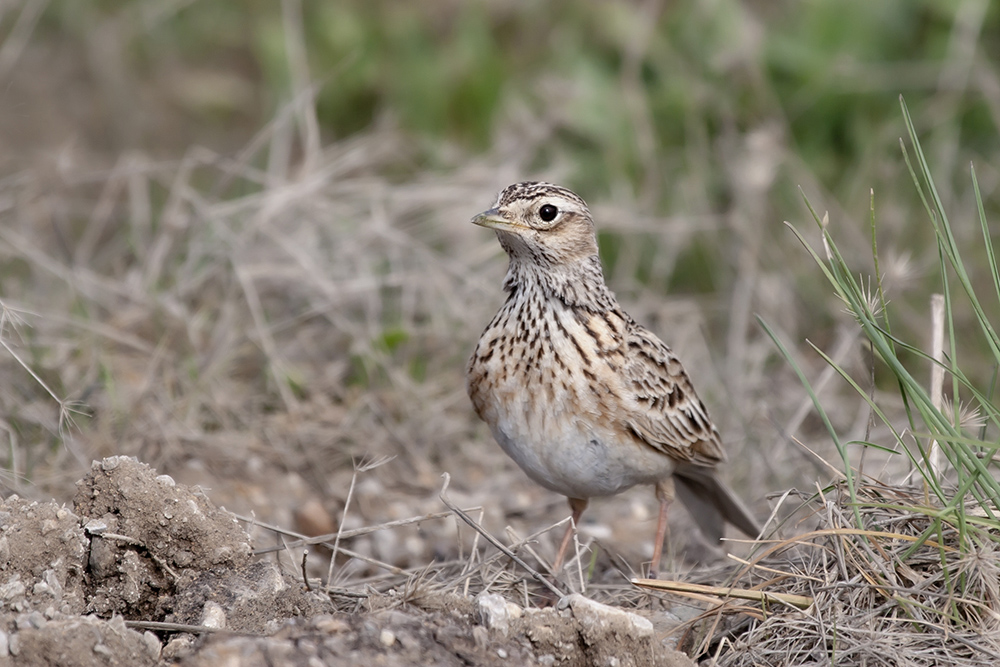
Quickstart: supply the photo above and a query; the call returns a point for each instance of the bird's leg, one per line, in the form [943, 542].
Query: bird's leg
[576, 505]
[665, 494]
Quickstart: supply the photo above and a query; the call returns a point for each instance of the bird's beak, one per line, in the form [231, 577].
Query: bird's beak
[492, 219]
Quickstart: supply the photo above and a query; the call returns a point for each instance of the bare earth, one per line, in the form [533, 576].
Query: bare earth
[136, 547]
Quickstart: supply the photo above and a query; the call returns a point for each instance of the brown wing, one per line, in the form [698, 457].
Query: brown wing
[668, 414]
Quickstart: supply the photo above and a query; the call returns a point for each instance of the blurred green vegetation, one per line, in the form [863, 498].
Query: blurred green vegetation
[653, 102]
[451, 70]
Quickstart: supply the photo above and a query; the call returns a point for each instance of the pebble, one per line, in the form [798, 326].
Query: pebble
[213, 616]
[153, 644]
[95, 527]
[600, 620]
[496, 613]
[112, 462]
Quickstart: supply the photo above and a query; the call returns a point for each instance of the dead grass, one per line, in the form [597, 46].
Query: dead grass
[880, 596]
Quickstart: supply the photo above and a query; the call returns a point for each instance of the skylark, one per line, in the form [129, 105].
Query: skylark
[586, 401]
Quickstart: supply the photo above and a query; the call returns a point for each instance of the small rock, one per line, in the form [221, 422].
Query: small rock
[493, 612]
[213, 616]
[599, 620]
[112, 462]
[271, 581]
[103, 560]
[311, 518]
[95, 527]
[54, 585]
[177, 648]
[153, 644]
[117, 624]
[12, 589]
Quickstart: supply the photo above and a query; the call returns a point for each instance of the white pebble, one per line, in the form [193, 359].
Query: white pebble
[212, 616]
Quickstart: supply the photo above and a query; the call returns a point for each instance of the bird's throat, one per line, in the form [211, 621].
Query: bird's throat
[579, 284]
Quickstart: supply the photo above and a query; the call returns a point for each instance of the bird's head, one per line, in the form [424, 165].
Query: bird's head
[541, 223]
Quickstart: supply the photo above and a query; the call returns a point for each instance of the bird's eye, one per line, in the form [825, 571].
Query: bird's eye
[548, 212]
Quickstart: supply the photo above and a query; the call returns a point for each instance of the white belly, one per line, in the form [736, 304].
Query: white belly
[580, 465]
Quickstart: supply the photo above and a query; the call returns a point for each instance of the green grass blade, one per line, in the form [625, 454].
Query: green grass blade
[841, 448]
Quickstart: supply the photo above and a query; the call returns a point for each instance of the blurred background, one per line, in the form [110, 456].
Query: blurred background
[235, 241]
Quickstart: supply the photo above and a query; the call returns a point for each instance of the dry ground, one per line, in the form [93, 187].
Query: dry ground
[139, 546]
[279, 326]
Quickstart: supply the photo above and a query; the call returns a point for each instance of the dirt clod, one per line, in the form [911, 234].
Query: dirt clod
[177, 526]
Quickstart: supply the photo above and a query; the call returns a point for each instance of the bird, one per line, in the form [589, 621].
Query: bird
[585, 400]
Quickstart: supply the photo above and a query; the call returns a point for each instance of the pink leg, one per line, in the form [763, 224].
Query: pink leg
[665, 494]
[576, 505]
